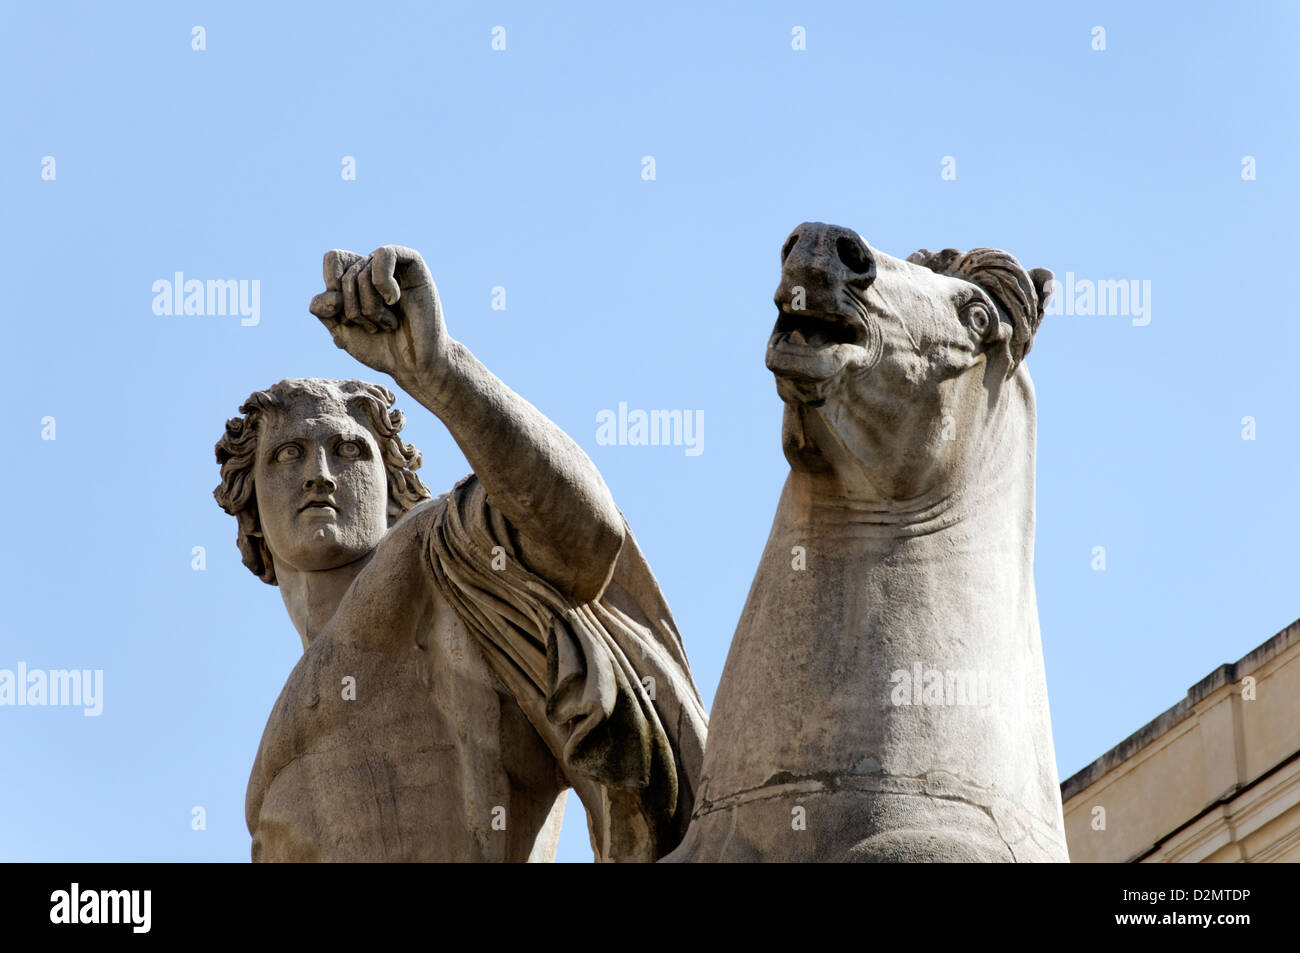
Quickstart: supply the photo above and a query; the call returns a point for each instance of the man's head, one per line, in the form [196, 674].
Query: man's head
[315, 473]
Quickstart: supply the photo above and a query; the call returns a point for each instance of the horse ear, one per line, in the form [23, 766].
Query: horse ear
[1044, 282]
[937, 261]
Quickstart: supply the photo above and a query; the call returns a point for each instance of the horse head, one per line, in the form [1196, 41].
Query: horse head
[895, 373]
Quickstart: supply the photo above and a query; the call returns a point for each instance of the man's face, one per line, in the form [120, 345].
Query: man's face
[322, 491]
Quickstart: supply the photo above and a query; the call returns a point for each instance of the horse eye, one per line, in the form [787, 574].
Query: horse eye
[287, 453]
[978, 317]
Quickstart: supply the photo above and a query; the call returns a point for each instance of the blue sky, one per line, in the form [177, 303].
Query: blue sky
[522, 169]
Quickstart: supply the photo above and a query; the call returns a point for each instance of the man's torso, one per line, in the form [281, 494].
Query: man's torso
[393, 740]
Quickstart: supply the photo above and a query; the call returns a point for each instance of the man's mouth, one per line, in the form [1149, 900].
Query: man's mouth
[327, 505]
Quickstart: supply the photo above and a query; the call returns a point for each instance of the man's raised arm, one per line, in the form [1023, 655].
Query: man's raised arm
[384, 310]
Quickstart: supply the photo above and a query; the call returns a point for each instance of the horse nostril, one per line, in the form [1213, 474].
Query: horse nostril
[854, 254]
[789, 246]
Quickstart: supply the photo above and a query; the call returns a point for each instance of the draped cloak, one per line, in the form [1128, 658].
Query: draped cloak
[606, 684]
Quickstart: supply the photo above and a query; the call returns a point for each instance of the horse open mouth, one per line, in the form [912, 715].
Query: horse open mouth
[808, 329]
[814, 345]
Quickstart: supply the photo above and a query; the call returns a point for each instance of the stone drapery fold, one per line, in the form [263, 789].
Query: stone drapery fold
[605, 683]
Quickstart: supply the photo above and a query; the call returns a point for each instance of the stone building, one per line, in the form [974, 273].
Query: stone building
[1216, 778]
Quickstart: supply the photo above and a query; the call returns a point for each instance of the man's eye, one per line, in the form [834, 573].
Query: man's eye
[350, 449]
[287, 453]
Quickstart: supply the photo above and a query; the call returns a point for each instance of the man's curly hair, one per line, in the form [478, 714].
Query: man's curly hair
[237, 450]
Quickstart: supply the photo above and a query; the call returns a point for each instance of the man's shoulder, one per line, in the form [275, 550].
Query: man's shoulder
[422, 512]
[384, 598]
[410, 528]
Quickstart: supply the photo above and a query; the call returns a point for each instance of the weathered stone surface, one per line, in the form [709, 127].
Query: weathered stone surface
[901, 553]
[467, 658]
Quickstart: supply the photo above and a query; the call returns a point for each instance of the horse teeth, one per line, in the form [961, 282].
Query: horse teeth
[797, 336]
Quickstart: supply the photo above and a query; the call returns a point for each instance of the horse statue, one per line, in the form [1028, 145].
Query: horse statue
[884, 697]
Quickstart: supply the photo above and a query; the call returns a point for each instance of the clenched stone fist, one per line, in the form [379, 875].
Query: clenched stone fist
[383, 309]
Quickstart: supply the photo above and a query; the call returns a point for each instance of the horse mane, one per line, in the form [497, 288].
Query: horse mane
[1021, 295]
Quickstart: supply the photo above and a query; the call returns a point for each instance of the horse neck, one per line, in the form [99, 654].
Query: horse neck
[981, 529]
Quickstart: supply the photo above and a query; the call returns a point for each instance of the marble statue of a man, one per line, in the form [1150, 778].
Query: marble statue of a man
[467, 658]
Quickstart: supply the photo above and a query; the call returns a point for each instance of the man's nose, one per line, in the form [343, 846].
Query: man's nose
[818, 261]
[319, 476]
